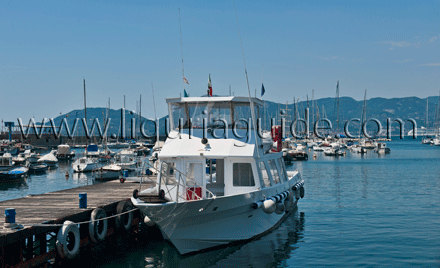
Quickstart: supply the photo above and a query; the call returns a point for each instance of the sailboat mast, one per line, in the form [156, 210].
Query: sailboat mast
[337, 107]
[364, 114]
[313, 106]
[85, 106]
[426, 123]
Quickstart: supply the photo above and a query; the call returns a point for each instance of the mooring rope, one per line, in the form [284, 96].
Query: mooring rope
[83, 222]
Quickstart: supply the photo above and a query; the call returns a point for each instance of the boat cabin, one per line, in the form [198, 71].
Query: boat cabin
[193, 166]
[6, 160]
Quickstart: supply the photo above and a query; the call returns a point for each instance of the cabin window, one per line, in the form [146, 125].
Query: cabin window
[243, 175]
[274, 171]
[215, 176]
[282, 169]
[194, 174]
[168, 173]
[266, 179]
[211, 169]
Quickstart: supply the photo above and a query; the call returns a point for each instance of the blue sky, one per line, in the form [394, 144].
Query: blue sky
[48, 47]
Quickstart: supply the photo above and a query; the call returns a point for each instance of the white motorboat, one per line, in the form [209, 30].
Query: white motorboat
[92, 150]
[109, 172]
[64, 152]
[358, 149]
[368, 144]
[428, 141]
[84, 164]
[382, 148]
[331, 151]
[246, 195]
[32, 158]
[126, 159]
[318, 148]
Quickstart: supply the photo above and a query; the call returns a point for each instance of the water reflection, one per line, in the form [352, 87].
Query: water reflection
[14, 185]
[271, 250]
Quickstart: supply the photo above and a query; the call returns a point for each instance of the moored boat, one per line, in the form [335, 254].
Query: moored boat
[382, 148]
[64, 152]
[38, 168]
[49, 159]
[6, 162]
[84, 164]
[246, 195]
[109, 172]
[17, 173]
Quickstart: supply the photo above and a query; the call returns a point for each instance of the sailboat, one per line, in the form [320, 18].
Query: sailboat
[246, 195]
[84, 164]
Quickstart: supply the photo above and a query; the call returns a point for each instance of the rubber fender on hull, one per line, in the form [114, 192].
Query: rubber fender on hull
[123, 221]
[98, 227]
[69, 231]
[301, 192]
[288, 203]
[269, 206]
[279, 208]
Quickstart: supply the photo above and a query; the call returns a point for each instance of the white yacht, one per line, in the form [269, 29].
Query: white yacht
[84, 164]
[247, 193]
[382, 148]
[126, 159]
[64, 152]
[109, 172]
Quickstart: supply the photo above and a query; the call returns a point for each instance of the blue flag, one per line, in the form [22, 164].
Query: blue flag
[185, 94]
[262, 90]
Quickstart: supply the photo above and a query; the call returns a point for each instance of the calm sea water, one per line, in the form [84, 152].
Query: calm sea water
[359, 210]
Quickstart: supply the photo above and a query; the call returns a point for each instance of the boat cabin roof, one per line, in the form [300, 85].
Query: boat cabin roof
[215, 148]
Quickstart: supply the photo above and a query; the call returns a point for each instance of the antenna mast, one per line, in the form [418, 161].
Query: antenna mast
[181, 52]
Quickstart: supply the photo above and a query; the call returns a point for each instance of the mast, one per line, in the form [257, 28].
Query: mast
[438, 114]
[426, 121]
[155, 116]
[181, 52]
[336, 115]
[364, 113]
[313, 106]
[85, 107]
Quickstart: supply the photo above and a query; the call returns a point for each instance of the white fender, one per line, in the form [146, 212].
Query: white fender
[70, 230]
[148, 221]
[269, 206]
[98, 228]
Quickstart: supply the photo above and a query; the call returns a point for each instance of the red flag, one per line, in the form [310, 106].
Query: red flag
[210, 86]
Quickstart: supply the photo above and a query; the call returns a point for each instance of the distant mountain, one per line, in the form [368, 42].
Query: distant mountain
[349, 108]
[99, 115]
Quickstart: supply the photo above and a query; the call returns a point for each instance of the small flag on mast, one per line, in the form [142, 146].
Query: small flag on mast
[185, 94]
[262, 90]
[209, 86]
[185, 80]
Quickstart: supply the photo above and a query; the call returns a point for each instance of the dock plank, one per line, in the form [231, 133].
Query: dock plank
[55, 206]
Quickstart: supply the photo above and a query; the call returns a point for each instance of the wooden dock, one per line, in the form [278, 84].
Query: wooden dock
[34, 245]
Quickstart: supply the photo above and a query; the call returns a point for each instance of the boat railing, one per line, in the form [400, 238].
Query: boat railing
[193, 192]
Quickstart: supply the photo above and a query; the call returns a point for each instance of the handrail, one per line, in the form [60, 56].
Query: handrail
[179, 182]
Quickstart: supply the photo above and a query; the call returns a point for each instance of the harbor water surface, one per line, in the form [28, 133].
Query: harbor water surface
[359, 210]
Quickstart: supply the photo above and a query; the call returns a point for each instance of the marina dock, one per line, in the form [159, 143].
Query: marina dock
[34, 245]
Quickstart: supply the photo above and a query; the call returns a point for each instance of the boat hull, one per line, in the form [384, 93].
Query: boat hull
[104, 175]
[198, 225]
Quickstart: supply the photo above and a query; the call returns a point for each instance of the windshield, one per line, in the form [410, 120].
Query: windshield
[215, 113]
